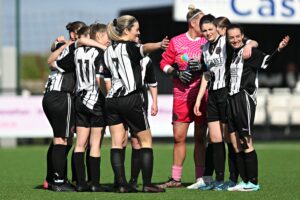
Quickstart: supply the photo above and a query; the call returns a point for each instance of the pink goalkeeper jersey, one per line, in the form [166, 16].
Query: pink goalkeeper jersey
[180, 50]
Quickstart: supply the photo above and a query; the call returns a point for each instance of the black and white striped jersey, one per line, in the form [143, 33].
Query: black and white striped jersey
[88, 61]
[122, 61]
[148, 73]
[62, 78]
[214, 55]
[244, 73]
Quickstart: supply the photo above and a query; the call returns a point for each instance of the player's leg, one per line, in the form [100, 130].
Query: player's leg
[135, 161]
[199, 154]
[59, 110]
[79, 161]
[117, 137]
[251, 162]
[200, 131]
[95, 158]
[179, 152]
[146, 160]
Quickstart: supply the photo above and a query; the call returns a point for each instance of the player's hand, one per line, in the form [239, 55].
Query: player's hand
[284, 43]
[165, 43]
[247, 52]
[194, 65]
[60, 38]
[154, 109]
[184, 76]
[197, 108]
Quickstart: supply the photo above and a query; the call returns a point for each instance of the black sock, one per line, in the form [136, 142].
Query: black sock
[79, 167]
[95, 169]
[49, 176]
[87, 163]
[240, 163]
[219, 160]
[252, 167]
[59, 162]
[135, 164]
[234, 173]
[74, 177]
[123, 154]
[118, 166]
[146, 160]
[68, 148]
[209, 164]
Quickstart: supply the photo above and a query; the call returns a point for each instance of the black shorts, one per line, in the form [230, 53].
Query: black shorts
[60, 111]
[241, 113]
[216, 109]
[128, 110]
[86, 117]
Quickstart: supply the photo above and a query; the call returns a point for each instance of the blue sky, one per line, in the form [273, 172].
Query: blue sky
[42, 21]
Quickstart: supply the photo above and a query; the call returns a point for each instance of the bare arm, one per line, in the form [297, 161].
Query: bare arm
[248, 48]
[154, 107]
[150, 47]
[284, 42]
[204, 81]
[107, 84]
[104, 86]
[89, 42]
[60, 38]
[54, 55]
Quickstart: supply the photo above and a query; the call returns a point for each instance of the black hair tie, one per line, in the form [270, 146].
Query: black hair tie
[115, 22]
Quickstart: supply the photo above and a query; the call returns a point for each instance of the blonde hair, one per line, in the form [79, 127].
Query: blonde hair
[115, 28]
[193, 12]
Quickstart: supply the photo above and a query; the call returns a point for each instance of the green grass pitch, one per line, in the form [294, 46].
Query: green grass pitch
[23, 168]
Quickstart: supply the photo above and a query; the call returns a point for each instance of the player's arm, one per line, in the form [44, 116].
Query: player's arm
[154, 108]
[262, 60]
[59, 39]
[54, 55]
[248, 48]
[203, 86]
[89, 42]
[150, 47]
[204, 81]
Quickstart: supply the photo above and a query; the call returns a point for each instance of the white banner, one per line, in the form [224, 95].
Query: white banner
[24, 117]
[244, 11]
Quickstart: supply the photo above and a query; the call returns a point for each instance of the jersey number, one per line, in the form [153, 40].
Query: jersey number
[86, 65]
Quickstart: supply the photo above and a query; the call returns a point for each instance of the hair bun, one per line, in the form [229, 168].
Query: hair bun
[115, 23]
[191, 7]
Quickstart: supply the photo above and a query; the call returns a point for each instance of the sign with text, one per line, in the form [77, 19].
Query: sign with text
[244, 11]
[23, 117]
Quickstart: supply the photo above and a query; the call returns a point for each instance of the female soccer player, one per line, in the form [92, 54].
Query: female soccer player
[242, 104]
[90, 118]
[124, 103]
[213, 60]
[58, 105]
[184, 52]
[222, 24]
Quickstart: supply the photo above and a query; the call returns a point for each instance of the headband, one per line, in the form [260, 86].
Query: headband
[195, 15]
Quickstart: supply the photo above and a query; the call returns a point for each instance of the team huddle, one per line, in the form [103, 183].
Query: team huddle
[100, 78]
